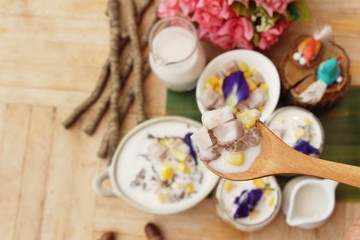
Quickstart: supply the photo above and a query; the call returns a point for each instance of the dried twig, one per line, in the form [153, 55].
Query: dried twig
[140, 8]
[118, 67]
[137, 60]
[151, 19]
[91, 99]
[99, 110]
[102, 104]
[124, 108]
[105, 149]
[115, 37]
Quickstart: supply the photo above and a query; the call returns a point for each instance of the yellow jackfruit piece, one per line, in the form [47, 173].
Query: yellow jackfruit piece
[189, 188]
[265, 87]
[259, 183]
[218, 89]
[228, 186]
[248, 118]
[252, 85]
[243, 66]
[248, 74]
[167, 172]
[260, 108]
[208, 85]
[213, 82]
[307, 121]
[235, 158]
[271, 202]
[267, 189]
[181, 156]
[181, 167]
[253, 71]
[253, 214]
[167, 141]
[300, 133]
[161, 197]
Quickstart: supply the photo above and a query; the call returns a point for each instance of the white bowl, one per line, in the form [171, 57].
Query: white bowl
[255, 60]
[127, 162]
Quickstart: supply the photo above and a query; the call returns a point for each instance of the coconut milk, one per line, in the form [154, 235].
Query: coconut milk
[177, 57]
[250, 156]
[311, 201]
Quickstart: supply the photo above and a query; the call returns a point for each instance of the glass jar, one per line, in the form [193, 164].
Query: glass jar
[295, 126]
[236, 204]
[176, 55]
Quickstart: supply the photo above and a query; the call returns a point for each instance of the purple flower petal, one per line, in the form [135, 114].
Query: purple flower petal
[241, 212]
[188, 141]
[306, 148]
[247, 202]
[235, 88]
[241, 198]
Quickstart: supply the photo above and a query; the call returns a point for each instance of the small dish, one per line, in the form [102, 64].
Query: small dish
[130, 159]
[256, 60]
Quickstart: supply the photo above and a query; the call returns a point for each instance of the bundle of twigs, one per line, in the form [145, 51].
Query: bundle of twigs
[125, 66]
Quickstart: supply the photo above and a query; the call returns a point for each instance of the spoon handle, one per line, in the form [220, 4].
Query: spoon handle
[343, 173]
[285, 160]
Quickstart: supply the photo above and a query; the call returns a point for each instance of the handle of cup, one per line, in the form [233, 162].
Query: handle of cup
[97, 184]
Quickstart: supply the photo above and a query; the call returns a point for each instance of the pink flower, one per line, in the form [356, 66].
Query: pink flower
[168, 8]
[269, 38]
[188, 6]
[183, 8]
[217, 22]
[207, 22]
[234, 33]
[272, 6]
[218, 8]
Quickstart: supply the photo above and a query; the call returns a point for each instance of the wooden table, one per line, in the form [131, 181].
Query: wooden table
[50, 56]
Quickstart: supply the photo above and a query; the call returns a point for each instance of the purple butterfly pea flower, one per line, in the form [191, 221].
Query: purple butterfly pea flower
[188, 141]
[305, 147]
[235, 88]
[247, 202]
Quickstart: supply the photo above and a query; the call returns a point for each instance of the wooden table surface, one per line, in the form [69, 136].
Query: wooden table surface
[51, 53]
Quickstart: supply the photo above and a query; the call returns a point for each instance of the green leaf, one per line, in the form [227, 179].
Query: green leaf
[299, 10]
[256, 39]
[240, 9]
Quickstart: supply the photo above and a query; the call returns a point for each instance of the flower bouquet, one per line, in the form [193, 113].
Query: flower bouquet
[233, 24]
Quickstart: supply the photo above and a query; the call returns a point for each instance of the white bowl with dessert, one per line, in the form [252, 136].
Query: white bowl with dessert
[155, 168]
[257, 83]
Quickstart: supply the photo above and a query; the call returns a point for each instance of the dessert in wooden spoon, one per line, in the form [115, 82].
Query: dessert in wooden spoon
[266, 156]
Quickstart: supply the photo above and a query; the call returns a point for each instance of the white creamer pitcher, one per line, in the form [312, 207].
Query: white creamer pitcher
[308, 201]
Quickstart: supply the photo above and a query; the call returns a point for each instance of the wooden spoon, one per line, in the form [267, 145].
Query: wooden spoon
[277, 158]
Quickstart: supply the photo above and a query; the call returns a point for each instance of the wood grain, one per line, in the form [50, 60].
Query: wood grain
[51, 54]
[15, 132]
[28, 222]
